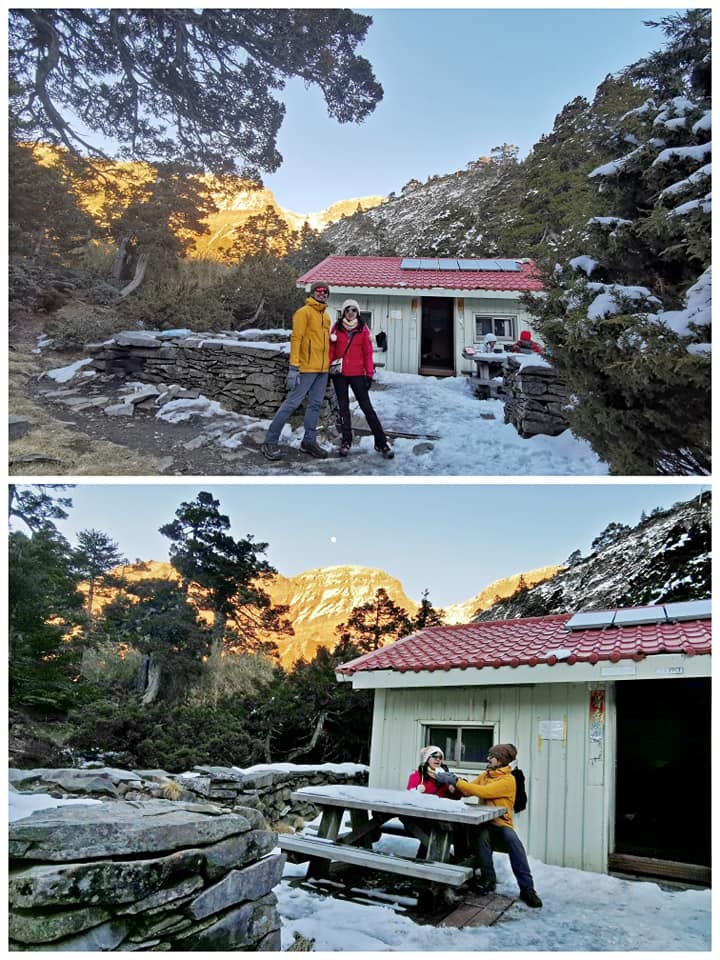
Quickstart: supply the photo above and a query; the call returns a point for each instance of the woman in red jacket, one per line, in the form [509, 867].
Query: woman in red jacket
[350, 341]
[423, 779]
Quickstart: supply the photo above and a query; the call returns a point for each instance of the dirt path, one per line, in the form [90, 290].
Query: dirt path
[69, 436]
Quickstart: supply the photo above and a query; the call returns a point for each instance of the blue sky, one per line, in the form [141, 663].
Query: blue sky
[451, 538]
[457, 83]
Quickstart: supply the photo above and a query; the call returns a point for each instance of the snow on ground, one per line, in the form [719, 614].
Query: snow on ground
[65, 374]
[462, 442]
[583, 912]
[453, 433]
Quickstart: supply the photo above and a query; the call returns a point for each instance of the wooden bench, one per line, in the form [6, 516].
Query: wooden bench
[309, 848]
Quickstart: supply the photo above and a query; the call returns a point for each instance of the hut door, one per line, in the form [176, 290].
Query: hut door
[437, 351]
[662, 783]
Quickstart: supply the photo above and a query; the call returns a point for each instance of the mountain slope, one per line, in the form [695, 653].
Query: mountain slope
[321, 599]
[665, 558]
[498, 590]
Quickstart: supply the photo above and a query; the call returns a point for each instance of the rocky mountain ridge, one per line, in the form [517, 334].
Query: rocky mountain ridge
[234, 210]
[663, 559]
[320, 599]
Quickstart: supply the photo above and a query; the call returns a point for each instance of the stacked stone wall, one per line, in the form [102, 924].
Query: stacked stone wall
[138, 871]
[152, 875]
[242, 377]
[536, 399]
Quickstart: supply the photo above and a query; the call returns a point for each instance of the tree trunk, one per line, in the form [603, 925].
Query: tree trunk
[123, 265]
[300, 751]
[153, 683]
[138, 278]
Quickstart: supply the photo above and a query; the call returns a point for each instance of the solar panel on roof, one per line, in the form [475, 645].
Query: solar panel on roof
[642, 615]
[590, 620]
[499, 266]
[450, 263]
[689, 610]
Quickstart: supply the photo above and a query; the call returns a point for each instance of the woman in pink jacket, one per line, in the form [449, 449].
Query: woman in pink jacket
[350, 341]
[423, 779]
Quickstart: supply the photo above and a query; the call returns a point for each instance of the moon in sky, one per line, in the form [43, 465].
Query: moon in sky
[333, 539]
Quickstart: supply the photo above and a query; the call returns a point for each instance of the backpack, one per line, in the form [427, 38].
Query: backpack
[520, 792]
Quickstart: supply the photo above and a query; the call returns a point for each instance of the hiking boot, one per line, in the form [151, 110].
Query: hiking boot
[344, 450]
[313, 448]
[529, 897]
[482, 887]
[271, 451]
[386, 451]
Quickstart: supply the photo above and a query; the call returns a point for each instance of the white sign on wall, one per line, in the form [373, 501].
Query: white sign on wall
[551, 729]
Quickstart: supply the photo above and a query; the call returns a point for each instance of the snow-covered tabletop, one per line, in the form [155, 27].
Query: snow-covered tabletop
[407, 803]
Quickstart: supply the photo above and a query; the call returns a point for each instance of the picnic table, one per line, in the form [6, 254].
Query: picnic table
[483, 363]
[430, 819]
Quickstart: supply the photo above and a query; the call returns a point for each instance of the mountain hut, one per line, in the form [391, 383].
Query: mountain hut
[423, 312]
[609, 710]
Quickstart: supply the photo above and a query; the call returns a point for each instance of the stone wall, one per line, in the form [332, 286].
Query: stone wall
[266, 789]
[243, 376]
[536, 399]
[148, 875]
[138, 871]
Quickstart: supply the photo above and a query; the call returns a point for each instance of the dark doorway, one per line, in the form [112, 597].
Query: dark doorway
[662, 783]
[437, 354]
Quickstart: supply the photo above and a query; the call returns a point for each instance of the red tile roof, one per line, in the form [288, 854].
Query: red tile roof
[386, 272]
[529, 642]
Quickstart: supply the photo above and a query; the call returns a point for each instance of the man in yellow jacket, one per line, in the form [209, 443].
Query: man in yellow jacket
[307, 373]
[496, 788]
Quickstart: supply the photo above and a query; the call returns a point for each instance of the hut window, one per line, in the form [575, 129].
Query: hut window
[504, 328]
[465, 746]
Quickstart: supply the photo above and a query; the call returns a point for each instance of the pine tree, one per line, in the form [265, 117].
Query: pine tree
[206, 75]
[372, 625]
[155, 618]
[228, 572]
[609, 535]
[45, 608]
[37, 505]
[95, 556]
[639, 372]
[427, 615]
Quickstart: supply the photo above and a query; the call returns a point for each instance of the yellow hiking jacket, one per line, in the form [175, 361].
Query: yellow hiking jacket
[494, 788]
[310, 338]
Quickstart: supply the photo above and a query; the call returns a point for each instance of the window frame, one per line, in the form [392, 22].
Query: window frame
[496, 323]
[458, 727]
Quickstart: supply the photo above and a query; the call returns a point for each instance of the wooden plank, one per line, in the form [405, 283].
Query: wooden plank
[478, 911]
[315, 847]
[648, 866]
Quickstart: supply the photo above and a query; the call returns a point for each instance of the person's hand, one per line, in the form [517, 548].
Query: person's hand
[368, 382]
[446, 777]
[293, 377]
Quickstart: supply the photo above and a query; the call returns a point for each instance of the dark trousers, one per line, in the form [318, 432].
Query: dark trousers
[490, 837]
[359, 388]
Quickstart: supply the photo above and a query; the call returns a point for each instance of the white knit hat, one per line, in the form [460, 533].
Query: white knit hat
[426, 751]
[490, 338]
[350, 303]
